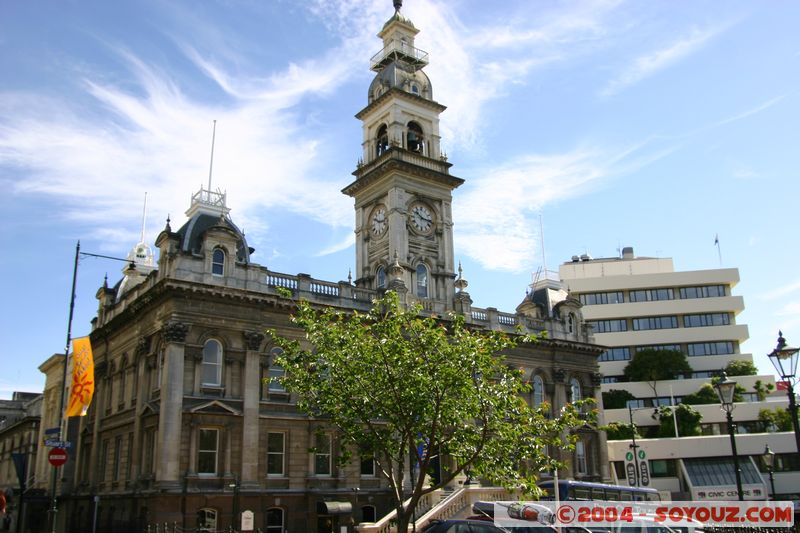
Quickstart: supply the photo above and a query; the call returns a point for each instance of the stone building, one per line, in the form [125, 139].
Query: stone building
[189, 424]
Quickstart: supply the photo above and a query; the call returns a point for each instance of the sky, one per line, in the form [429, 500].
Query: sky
[578, 127]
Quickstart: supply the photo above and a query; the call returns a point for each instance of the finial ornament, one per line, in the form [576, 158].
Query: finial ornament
[398, 4]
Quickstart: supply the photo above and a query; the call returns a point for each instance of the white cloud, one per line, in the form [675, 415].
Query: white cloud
[651, 63]
[781, 292]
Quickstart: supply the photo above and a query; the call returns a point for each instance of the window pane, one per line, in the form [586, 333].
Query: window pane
[275, 450]
[218, 262]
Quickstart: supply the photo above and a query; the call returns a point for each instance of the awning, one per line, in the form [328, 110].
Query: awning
[714, 478]
[334, 507]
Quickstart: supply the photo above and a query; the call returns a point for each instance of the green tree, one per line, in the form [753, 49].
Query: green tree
[619, 431]
[686, 416]
[397, 385]
[762, 390]
[775, 419]
[617, 399]
[653, 366]
[741, 368]
[708, 395]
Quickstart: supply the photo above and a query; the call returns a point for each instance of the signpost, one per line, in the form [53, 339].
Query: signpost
[644, 469]
[630, 469]
[57, 456]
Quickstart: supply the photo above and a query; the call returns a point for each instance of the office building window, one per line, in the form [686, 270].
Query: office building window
[709, 348]
[607, 326]
[207, 451]
[708, 319]
[651, 295]
[657, 347]
[708, 291]
[276, 448]
[615, 354]
[601, 298]
[655, 322]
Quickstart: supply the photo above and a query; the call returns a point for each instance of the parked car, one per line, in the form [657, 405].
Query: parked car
[483, 524]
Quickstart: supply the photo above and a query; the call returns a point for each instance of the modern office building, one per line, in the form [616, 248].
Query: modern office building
[634, 303]
[189, 425]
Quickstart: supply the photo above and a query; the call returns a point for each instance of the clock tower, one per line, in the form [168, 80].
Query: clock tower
[403, 186]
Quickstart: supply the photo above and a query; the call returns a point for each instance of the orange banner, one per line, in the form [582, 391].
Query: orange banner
[82, 388]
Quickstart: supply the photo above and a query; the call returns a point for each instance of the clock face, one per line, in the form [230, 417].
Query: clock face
[378, 221]
[421, 218]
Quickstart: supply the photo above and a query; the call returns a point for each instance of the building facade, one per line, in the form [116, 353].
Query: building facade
[190, 425]
[633, 303]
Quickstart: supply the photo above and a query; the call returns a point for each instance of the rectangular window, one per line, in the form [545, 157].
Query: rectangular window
[655, 322]
[707, 291]
[129, 458]
[615, 354]
[276, 448]
[149, 451]
[601, 298]
[207, 448]
[580, 458]
[322, 455]
[275, 374]
[117, 458]
[607, 326]
[101, 474]
[651, 295]
[612, 379]
[673, 347]
[367, 466]
[709, 348]
[708, 319]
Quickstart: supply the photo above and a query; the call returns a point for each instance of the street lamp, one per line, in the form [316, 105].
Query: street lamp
[784, 359]
[769, 461]
[726, 388]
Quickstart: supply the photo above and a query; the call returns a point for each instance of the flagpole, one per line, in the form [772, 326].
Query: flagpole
[54, 481]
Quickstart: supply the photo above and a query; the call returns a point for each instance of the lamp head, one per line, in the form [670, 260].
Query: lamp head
[726, 388]
[784, 358]
[768, 457]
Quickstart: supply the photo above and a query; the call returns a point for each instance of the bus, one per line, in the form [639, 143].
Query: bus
[585, 490]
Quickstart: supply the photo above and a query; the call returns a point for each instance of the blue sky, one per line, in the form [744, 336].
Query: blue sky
[656, 125]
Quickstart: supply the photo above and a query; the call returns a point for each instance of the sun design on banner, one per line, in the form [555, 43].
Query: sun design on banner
[82, 388]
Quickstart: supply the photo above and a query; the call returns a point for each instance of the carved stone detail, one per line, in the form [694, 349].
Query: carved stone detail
[597, 379]
[175, 332]
[142, 346]
[253, 340]
[559, 375]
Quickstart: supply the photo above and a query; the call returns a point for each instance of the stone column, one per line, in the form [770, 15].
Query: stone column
[171, 408]
[252, 392]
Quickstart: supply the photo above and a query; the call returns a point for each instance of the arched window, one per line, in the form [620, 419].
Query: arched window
[380, 278]
[368, 513]
[574, 390]
[571, 323]
[275, 520]
[218, 262]
[414, 88]
[422, 281]
[538, 391]
[212, 363]
[415, 138]
[382, 140]
[206, 520]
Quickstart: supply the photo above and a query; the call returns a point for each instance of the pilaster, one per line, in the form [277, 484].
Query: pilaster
[171, 409]
[250, 425]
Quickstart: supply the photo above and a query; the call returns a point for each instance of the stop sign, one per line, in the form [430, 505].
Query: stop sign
[57, 456]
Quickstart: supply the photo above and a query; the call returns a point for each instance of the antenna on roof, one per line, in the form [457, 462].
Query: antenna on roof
[211, 165]
[541, 234]
[144, 216]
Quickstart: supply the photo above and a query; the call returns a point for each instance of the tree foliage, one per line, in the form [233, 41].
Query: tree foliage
[617, 399]
[396, 385]
[708, 395]
[741, 368]
[687, 417]
[777, 419]
[619, 431]
[653, 366]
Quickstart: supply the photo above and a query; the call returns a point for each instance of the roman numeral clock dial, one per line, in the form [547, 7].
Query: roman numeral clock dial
[421, 218]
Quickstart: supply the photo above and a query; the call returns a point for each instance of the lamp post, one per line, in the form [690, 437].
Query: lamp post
[725, 389]
[634, 446]
[769, 461]
[784, 359]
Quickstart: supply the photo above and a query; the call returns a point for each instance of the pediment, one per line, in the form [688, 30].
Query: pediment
[215, 407]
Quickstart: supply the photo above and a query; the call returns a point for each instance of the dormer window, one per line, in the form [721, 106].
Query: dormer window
[218, 262]
[383, 140]
[414, 89]
[415, 138]
[422, 281]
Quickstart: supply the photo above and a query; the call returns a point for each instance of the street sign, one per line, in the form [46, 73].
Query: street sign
[55, 443]
[57, 456]
[52, 431]
[644, 473]
[630, 470]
